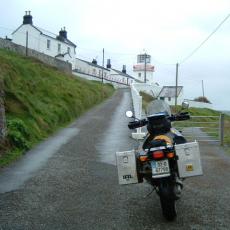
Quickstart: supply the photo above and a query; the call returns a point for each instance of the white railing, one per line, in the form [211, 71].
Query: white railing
[137, 107]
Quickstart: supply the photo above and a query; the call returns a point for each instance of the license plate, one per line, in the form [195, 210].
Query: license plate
[160, 168]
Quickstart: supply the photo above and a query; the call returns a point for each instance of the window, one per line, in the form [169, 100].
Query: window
[59, 48]
[162, 98]
[48, 44]
[142, 57]
[139, 75]
[68, 50]
[169, 98]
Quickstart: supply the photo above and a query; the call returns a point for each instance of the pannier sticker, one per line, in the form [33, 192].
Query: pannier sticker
[125, 159]
[189, 167]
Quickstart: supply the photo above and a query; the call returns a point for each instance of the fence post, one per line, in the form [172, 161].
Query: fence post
[221, 129]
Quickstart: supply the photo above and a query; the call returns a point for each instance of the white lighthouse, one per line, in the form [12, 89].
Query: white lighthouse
[143, 70]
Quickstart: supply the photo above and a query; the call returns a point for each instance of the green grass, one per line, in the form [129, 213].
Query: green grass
[39, 100]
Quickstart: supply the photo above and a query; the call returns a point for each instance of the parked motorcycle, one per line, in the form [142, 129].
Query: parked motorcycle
[158, 161]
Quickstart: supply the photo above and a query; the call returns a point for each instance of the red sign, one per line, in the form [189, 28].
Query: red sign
[142, 68]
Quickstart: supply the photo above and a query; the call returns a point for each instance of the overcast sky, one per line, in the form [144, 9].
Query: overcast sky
[167, 30]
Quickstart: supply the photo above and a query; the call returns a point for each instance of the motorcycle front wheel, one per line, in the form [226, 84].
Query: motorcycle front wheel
[168, 208]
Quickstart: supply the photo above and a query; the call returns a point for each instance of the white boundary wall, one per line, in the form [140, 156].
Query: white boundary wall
[90, 77]
[152, 89]
[137, 107]
[197, 104]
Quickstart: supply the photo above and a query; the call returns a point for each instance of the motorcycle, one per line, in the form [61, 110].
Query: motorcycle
[157, 162]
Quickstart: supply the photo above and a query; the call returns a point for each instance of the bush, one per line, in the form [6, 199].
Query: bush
[202, 99]
[17, 133]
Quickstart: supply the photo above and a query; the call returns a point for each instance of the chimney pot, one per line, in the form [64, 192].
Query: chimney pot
[94, 61]
[124, 69]
[27, 19]
[108, 66]
[62, 34]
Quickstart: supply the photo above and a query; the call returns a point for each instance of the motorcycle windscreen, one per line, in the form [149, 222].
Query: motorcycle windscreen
[158, 106]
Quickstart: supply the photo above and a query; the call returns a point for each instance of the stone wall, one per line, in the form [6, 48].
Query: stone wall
[61, 65]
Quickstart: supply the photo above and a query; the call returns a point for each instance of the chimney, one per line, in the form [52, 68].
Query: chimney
[94, 61]
[124, 69]
[63, 34]
[108, 66]
[27, 19]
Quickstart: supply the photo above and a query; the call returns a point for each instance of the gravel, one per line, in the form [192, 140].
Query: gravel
[76, 188]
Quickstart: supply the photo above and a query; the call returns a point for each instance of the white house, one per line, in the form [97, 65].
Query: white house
[119, 76]
[143, 70]
[93, 71]
[90, 70]
[168, 94]
[30, 36]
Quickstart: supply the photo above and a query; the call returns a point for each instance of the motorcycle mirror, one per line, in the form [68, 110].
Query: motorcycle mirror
[185, 105]
[129, 114]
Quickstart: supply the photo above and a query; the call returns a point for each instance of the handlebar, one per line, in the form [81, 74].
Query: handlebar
[137, 124]
[180, 117]
[143, 122]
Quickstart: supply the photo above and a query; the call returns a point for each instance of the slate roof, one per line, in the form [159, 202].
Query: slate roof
[92, 64]
[123, 74]
[49, 34]
[170, 91]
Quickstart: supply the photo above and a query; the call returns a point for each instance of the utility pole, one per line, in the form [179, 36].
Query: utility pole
[103, 65]
[26, 43]
[203, 88]
[145, 69]
[177, 66]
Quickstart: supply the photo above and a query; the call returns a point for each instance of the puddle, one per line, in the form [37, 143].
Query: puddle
[117, 137]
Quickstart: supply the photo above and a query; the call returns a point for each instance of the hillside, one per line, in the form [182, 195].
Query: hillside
[39, 100]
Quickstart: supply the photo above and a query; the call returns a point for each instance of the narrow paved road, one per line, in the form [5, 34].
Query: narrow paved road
[70, 182]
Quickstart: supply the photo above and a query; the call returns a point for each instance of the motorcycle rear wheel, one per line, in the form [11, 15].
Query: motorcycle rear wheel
[168, 208]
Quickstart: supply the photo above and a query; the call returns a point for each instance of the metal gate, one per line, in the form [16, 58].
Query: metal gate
[203, 128]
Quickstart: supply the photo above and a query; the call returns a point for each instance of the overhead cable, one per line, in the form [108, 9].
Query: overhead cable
[202, 43]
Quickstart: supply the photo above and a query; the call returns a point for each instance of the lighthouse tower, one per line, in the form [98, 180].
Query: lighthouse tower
[143, 70]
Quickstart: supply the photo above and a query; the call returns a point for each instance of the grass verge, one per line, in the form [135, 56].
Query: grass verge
[39, 100]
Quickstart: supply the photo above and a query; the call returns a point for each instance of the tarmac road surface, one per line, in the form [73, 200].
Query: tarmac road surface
[70, 182]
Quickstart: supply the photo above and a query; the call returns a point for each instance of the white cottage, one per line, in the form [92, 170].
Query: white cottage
[90, 70]
[168, 94]
[93, 71]
[30, 36]
[119, 76]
